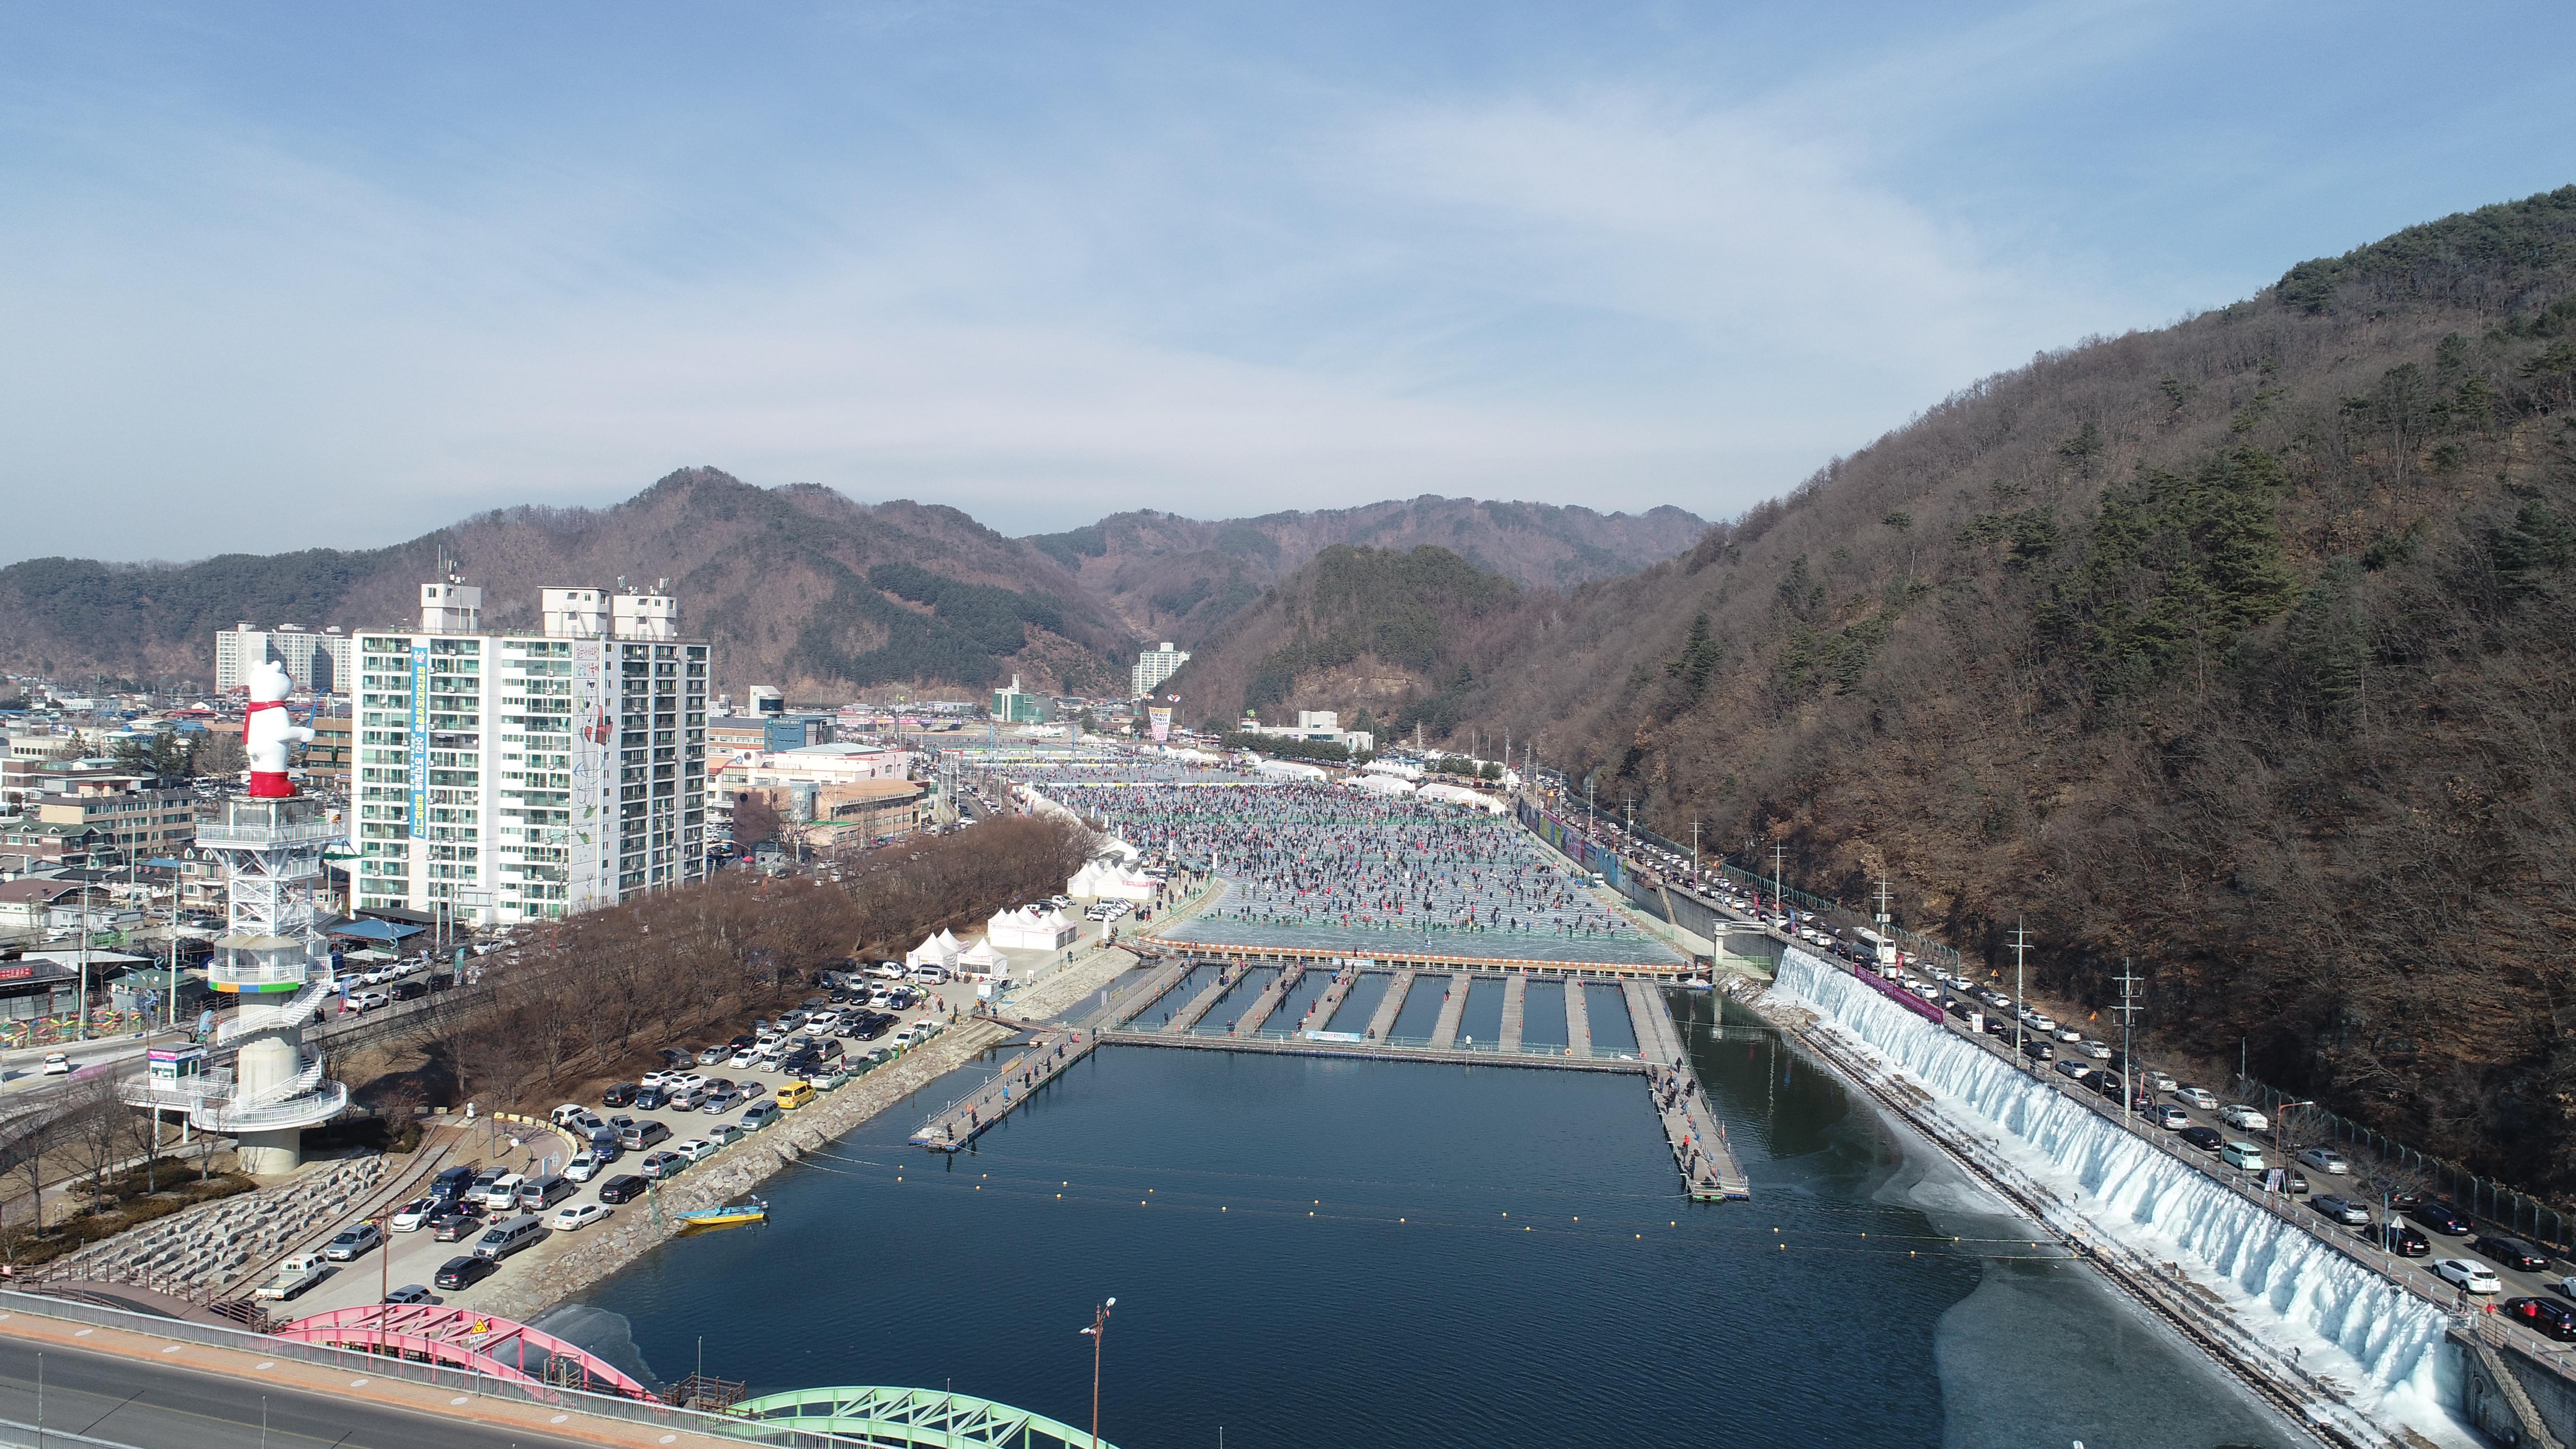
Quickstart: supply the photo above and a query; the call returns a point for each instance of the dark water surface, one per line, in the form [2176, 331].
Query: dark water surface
[1319, 1252]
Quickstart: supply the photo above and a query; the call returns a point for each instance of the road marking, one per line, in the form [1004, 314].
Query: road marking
[268, 1363]
[559, 1418]
[459, 1399]
[174, 1348]
[84, 1333]
[357, 1383]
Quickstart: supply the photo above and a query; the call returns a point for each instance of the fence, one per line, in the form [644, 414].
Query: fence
[1944, 956]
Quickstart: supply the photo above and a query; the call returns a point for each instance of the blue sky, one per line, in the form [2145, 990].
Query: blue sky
[277, 277]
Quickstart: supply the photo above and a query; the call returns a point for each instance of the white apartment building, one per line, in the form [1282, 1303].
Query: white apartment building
[1153, 667]
[318, 662]
[512, 777]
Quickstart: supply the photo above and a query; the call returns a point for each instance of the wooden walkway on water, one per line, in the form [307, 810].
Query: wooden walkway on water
[1700, 1151]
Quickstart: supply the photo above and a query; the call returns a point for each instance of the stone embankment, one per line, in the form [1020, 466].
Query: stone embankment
[637, 1227]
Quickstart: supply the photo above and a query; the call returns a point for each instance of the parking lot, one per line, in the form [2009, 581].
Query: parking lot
[414, 1255]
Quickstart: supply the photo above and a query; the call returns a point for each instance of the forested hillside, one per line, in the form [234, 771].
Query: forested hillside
[2242, 649]
[1379, 635]
[1182, 579]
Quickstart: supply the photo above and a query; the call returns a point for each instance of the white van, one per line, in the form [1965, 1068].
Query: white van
[503, 1194]
[929, 973]
[2243, 1155]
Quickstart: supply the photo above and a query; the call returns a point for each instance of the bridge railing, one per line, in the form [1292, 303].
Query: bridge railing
[663, 1417]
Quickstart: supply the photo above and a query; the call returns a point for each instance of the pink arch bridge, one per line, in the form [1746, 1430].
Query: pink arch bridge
[464, 1339]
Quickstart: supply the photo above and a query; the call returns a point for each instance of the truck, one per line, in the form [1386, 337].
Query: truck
[294, 1276]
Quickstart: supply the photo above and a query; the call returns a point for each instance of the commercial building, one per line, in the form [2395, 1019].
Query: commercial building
[1015, 706]
[1322, 726]
[510, 777]
[768, 733]
[318, 662]
[831, 816]
[1153, 667]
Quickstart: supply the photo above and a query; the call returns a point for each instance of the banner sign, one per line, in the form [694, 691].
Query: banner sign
[1161, 717]
[420, 741]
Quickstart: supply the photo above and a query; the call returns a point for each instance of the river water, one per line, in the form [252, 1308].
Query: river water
[1309, 1251]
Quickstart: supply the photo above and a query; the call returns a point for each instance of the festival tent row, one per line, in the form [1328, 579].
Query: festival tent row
[1380, 784]
[1030, 928]
[1101, 881]
[1460, 795]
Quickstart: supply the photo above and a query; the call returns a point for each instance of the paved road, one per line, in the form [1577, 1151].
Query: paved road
[158, 1406]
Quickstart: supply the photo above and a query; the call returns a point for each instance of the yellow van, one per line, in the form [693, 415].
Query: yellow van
[794, 1095]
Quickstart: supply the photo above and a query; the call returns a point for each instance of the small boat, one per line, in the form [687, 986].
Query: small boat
[753, 1211]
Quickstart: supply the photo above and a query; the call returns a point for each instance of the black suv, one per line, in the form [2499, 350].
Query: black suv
[2441, 1217]
[2206, 1139]
[624, 1187]
[465, 1272]
[621, 1095]
[2037, 1049]
[2512, 1252]
[2543, 1315]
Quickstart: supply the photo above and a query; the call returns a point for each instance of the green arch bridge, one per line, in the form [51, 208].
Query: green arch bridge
[893, 1418]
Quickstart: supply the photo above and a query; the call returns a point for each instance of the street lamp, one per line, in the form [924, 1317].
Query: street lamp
[1098, 1330]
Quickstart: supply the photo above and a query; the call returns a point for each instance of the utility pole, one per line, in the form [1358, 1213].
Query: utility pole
[2128, 1008]
[1694, 850]
[2021, 1007]
[1779, 870]
[1883, 918]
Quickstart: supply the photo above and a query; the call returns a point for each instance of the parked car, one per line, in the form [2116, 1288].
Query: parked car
[760, 1115]
[574, 1216]
[2511, 1251]
[2246, 1156]
[352, 1241]
[2467, 1273]
[696, 1149]
[415, 1214]
[2440, 1217]
[2160, 1082]
[571, 1112]
[464, 1272]
[2204, 1138]
[653, 1099]
[621, 1095]
[2038, 1049]
[2546, 1316]
[2326, 1160]
[643, 1135]
[661, 1165]
[2243, 1118]
[452, 1227]
[2342, 1209]
[2172, 1119]
[624, 1187]
[2195, 1097]
[709, 1056]
[724, 1132]
[410, 1293]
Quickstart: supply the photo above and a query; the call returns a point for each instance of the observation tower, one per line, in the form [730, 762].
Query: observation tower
[271, 841]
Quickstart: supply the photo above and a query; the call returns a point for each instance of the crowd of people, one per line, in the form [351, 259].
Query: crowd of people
[1300, 854]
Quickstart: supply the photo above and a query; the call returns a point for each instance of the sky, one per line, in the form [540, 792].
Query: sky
[280, 277]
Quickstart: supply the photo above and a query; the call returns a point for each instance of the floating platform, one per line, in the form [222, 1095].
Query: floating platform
[1701, 1154]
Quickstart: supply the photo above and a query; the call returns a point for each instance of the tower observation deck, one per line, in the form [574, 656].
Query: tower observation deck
[272, 853]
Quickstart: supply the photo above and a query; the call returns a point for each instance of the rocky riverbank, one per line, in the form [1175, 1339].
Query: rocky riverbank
[573, 1262]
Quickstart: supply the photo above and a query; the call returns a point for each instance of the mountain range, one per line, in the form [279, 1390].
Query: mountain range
[802, 587]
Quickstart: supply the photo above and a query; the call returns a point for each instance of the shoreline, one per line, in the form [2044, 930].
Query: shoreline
[602, 1251]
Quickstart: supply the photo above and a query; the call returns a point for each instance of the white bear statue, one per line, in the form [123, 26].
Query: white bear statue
[267, 732]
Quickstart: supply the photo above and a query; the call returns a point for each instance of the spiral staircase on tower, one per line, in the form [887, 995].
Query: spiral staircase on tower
[213, 1100]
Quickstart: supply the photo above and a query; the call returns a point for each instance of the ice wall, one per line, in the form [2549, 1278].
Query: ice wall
[2290, 1288]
